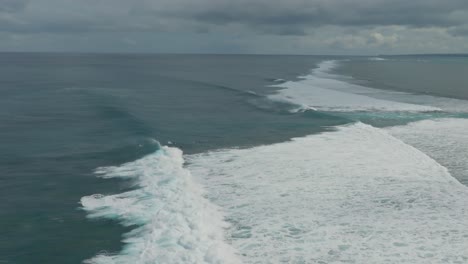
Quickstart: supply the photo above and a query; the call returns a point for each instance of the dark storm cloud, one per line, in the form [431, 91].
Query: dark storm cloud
[274, 26]
[418, 13]
[282, 17]
[297, 15]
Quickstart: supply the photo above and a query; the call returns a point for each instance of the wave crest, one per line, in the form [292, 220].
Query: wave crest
[174, 222]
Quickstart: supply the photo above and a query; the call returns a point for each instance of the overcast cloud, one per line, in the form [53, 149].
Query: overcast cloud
[229, 26]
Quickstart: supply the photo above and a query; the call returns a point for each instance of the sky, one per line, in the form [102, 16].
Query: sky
[354, 27]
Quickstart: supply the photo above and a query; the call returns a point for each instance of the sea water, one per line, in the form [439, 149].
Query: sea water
[119, 158]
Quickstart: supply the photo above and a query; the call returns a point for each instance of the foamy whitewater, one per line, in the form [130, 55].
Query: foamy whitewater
[174, 222]
[324, 91]
[356, 194]
[445, 139]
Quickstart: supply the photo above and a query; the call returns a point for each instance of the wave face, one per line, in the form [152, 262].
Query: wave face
[173, 222]
[356, 195]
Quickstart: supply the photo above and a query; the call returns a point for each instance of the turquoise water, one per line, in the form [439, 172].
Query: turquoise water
[67, 118]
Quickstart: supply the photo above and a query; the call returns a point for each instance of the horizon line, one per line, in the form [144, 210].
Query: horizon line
[230, 54]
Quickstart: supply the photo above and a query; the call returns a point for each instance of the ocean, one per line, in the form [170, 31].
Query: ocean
[142, 158]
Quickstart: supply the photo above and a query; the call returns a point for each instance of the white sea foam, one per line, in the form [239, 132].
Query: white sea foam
[278, 80]
[377, 59]
[451, 105]
[324, 91]
[356, 195]
[175, 223]
[324, 68]
[445, 140]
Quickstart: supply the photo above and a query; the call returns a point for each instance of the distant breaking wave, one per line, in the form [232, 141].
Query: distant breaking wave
[323, 92]
[377, 59]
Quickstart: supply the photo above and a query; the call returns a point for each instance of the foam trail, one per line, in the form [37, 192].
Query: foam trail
[175, 223]
[444, 139]
[356, 195]
[322, 91]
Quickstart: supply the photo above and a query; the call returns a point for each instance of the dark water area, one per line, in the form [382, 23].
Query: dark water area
[64, 115]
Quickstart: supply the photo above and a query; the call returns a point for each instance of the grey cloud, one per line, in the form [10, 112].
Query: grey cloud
[332, 12]
[460, 31]
[314, 13]
[258, 25]
[292, 17]
[12, 6]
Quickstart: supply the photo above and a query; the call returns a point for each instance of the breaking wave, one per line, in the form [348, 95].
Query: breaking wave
[356, 195]
[324, 91]
[173, 222]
